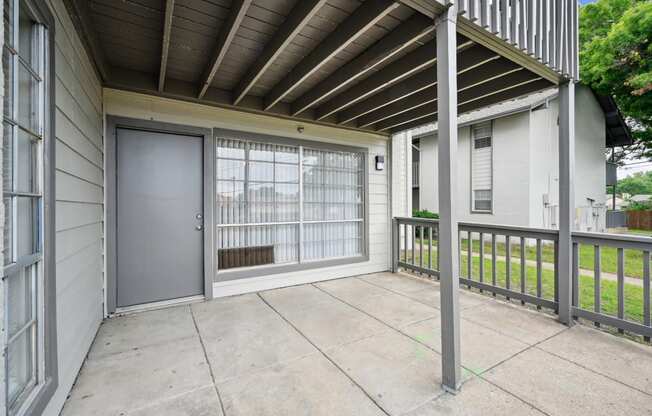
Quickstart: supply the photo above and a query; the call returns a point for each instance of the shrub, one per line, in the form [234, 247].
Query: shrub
[425, 214]
[639, 206]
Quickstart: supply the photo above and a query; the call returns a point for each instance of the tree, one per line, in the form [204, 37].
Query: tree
[616, 60]
[639, 183]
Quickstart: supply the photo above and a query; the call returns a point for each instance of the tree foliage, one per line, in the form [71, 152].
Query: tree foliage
[639, 183]
[616, 60]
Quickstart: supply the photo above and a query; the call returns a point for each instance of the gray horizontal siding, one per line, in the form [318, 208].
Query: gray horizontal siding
[79, 203]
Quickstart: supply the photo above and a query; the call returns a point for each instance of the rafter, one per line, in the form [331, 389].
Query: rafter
[167, 30]
[469, 100]
[236, 14]
[468, 59]
[364, 17]
[409, 32]
[430, 116]
[478, 80]
[293, 24]
[408, 65]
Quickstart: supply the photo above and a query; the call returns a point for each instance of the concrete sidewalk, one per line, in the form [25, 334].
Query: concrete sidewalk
[357, 346]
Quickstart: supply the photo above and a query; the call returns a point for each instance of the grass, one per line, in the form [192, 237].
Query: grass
[608, 260]
[609, 297]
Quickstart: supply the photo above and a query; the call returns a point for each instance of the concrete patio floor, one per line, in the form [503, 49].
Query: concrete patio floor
[367, 345]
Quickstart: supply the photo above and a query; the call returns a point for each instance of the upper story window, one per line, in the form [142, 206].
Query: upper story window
[482, 167]
[25, 62]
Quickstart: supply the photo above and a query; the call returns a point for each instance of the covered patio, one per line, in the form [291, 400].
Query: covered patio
[365, 345]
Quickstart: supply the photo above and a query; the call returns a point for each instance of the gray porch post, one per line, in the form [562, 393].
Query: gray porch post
[566, 198]
[448, 235]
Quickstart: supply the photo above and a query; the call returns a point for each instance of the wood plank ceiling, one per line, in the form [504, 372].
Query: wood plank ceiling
[357, 64]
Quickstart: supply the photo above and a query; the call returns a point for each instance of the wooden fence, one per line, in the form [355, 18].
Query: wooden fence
[640, 220]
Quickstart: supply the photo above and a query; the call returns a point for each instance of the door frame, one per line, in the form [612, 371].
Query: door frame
[110, 198]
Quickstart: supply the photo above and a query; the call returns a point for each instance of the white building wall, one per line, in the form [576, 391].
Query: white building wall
[79, 203]
[526, 168]
[510, 173]
[590, 181]
[140, 106]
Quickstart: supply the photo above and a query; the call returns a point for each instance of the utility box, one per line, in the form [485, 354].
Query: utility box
[612, 174]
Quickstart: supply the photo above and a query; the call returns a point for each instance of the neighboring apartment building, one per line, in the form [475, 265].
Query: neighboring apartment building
[508, 161]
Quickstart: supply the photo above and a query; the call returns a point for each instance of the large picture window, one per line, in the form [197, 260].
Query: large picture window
[25, 64]
[287, 204]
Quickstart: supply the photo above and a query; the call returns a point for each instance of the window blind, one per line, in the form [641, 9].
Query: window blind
[482, 167]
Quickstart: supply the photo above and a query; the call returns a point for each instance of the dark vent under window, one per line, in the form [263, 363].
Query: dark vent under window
[482, 142]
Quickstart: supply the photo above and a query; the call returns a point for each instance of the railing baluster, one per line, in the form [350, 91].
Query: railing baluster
[481, 265]
[484, 13]
[621, 285]
[495, 17]
[504, 28]
[414, 229]
[556, 265]
[508, 264]
[459, 250]
[576, 275]
[405, 242]
[523, 271]
[493, 261]
[421, 246]
[646, 291]
[469, 254]
[430, 247]
[539, 271]
[438, 251]
[597, 281]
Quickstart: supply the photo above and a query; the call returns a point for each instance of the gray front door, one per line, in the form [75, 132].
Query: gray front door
[159, 216]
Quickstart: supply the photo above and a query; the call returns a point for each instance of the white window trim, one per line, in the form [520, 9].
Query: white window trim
[472, 139]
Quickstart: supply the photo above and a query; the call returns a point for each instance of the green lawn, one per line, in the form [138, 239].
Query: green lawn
[633, 258]
[609, 300]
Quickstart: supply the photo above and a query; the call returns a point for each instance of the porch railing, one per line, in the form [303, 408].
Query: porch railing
[546, 30]
[522, 264]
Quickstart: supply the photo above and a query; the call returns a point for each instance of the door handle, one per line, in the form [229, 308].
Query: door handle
[199, 227]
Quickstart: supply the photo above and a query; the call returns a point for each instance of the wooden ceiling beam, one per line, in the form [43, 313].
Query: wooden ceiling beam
[468, 59]
[165, 48]
[406, 34]
[492, 70]
[520, 91]
[410, 64]
[364, 17]
[293, 24]
[227, 33]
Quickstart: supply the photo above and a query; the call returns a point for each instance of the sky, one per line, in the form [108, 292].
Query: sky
[586, 1]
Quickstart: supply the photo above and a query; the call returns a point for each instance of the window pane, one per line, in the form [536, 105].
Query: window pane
[26, 212]
[261, 171]
[230, 169]
[21, 365]
[287, 154]
[286, 173]
[328, 240]
[7, 60]
[230, 202]
[232, 149]
[28, 111]
[27, 162]
[287, 202]
[26, 36]
[8, 157]
[261, 151]
[8, 248]
[8, 17]
[260, 202]
[257, 245]
[19, 309]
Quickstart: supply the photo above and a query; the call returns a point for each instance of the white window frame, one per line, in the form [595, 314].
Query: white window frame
[40, 264]
[301, 264]
[472, 141]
